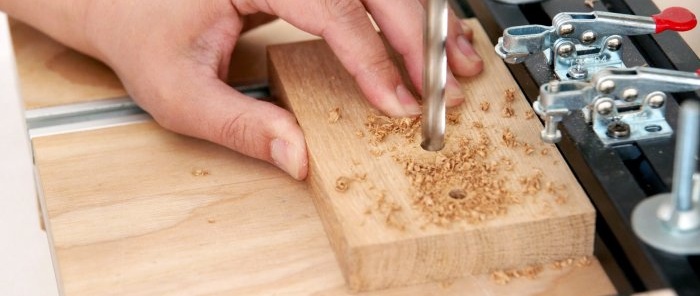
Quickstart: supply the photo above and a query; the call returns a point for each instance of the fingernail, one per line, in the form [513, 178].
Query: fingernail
[467, 49]
[453, 92]
[409, 103]
[289, 158]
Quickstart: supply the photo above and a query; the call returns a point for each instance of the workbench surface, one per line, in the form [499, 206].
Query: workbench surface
[137, 210]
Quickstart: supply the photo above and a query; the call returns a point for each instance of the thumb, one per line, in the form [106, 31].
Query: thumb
[211, 110]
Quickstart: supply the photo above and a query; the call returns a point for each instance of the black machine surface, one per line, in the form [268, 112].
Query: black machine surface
[615, 178]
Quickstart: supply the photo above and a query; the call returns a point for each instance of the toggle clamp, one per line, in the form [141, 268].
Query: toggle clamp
[622, 105]
[580, 44]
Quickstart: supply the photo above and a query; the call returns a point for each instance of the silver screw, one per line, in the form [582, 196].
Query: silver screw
[606, 86]
[618, 130]
[614, 43]
[656, 99]
[565, 49]
[630, 94]
[588, 37]
[578, 72]
[604, 106]
[566, 29]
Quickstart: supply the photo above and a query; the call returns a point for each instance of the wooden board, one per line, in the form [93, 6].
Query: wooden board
[52, 74]
[392, 226]
[131, 218]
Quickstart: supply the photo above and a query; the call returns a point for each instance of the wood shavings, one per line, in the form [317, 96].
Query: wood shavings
[529, 150]
[380, 126]
[484, 106]
[342, 184]
[459, 185]
[200, 172]
[389, 210]
[334, 115]
[359, 134]
[529, 114]
[510, 95]
[558, 192]
[532, 184]
[570, 262]
[584, 261]
[376, 152]
[453, 118]
[503, 277]
[509, 138]
[590, 3]
[211, 221]
[508, 111]
[544, 151]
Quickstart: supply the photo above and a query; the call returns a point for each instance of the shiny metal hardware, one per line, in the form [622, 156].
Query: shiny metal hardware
[577, 45]
[434, 76]
[671, 221]
[622, 105]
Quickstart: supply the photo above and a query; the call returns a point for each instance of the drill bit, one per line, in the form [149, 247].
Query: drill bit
[434, 75]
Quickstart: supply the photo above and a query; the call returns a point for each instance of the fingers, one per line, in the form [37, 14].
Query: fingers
[350, 34]
[209, 109]
[353, 39]
[404, 37]
[461, 56]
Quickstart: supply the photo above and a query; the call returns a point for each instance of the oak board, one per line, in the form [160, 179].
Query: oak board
[386, 223]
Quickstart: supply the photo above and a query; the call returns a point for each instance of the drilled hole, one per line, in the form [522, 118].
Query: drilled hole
[457, 194]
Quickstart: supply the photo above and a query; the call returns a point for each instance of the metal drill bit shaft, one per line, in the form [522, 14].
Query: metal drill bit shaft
[434, 75]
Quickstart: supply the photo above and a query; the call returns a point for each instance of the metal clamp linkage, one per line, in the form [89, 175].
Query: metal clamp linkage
[622, 105]
[580, 44]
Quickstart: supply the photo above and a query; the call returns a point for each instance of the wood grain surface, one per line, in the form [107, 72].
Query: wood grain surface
[52, 74]
[134, 213]
[389, 231]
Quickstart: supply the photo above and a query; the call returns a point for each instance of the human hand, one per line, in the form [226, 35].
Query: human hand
[173, 57]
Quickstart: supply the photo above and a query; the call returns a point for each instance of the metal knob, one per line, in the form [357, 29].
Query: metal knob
[676, 228]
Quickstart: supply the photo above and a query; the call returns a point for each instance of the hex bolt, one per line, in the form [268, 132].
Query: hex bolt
[613, 43]
[588, 37]
[656, 99]
[606, 86]
[566, 29]
[565, 49]
[630, 94]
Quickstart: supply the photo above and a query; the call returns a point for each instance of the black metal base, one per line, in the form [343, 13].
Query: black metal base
[616, 179]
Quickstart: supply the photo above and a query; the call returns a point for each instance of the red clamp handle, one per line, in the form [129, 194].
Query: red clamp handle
[676, 19]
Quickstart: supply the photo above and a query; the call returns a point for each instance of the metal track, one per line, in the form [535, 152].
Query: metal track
[99, 114]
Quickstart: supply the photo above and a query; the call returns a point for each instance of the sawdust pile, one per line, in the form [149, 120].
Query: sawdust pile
[468, 180]
[460, 185]
[505, 276]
